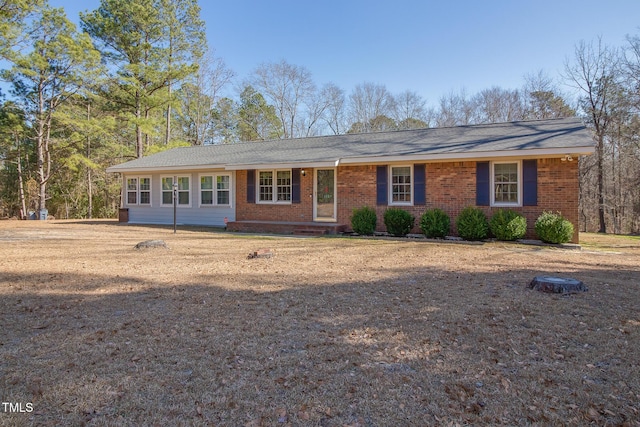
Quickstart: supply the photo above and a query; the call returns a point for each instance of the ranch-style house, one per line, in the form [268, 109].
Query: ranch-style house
[308, 185]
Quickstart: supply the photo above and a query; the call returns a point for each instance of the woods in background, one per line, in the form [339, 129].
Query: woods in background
[137, 77]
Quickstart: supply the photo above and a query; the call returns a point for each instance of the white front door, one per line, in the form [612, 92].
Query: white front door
[324, 190]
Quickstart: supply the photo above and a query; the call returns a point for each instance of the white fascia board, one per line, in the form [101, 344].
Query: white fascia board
[156, 169]
[288, 165]
[455, 156]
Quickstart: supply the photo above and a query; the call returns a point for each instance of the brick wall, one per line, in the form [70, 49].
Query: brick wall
[296, 212]
[557, 191]
[450, 186]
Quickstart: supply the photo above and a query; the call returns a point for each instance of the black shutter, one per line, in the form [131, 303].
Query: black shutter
[251, 186]
[381, 185]
[530, 182]
[295, 185]
[483, 184]
[419, 184]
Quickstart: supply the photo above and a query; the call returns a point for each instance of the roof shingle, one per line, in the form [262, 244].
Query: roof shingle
[501, 139]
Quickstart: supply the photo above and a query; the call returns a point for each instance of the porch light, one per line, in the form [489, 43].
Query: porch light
[566, 158]
[303, 172]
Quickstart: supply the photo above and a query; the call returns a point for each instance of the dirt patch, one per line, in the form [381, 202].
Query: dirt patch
[329, 332]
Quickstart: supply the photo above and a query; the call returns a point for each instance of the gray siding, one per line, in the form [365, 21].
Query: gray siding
[195, 214]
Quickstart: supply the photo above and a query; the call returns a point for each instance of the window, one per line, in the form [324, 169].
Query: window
[145, 191]
[183, 190]
[276, 190]
[167, 190]
[265, 186]
[132, 191]
[401, 188]
[139, 191]
[206, 190]
[220, 195]
[506, 184]
[223, 189]
[284, 186]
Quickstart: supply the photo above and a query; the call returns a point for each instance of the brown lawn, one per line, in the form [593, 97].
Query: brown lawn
[329, 332]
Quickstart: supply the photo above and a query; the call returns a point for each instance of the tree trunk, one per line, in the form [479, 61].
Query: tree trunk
[167, 137]
[147, 138]
[603, 225]
[139, 143]
[23, 204]
[40, 154]
[89, 177]
[583, 223]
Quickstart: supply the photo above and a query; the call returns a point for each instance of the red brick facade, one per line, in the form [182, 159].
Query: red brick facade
[450, 186]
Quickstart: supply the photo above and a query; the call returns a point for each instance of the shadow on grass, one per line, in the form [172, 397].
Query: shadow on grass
[426, 347]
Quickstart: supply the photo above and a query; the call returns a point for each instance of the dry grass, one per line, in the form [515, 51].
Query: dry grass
[329, 332]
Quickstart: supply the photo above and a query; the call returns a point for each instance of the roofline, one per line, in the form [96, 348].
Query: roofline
[288, 165]
[533, 153]
[232, 167]
[452, 157]
[148, 169]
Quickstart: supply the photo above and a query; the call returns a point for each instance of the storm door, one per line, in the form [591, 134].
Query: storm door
[324, 189]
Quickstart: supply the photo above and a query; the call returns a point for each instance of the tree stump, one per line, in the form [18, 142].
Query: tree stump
[261, 253]
[151, 244]
[558, 285]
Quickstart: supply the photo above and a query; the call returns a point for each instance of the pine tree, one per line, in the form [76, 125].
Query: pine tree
[44, 78]
[185, 43]
[149, 44]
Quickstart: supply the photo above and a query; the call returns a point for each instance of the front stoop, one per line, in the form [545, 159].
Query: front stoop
[316, 231]
[285, 227]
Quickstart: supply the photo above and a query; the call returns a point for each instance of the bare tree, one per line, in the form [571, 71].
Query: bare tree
[289, 88]
[630, 150]
[316, 104]
[200, 96]
[455, 109]
[496, 105]
[335, 113]
[631, 70]
[593, 74]
[369, 102]
[410, 110]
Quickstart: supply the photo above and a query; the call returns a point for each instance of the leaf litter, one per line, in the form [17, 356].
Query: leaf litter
[331, 332]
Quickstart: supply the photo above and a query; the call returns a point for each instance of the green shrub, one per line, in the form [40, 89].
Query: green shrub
[553, 228]
[398, 222]
[435, 223]
[506, 224]
[363, 220]
[472, 224]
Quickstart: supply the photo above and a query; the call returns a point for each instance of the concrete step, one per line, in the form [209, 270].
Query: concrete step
[316, 231]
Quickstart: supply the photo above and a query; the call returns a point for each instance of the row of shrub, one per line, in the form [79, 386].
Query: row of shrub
[472, 224]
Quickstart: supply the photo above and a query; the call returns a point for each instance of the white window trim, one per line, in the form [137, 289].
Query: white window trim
[390, 185]
[493, 185]
[214, 177]
[127, 191]
[274, 183]
[189, 191]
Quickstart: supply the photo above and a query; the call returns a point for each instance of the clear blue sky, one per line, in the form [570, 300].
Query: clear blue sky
[431, 47]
